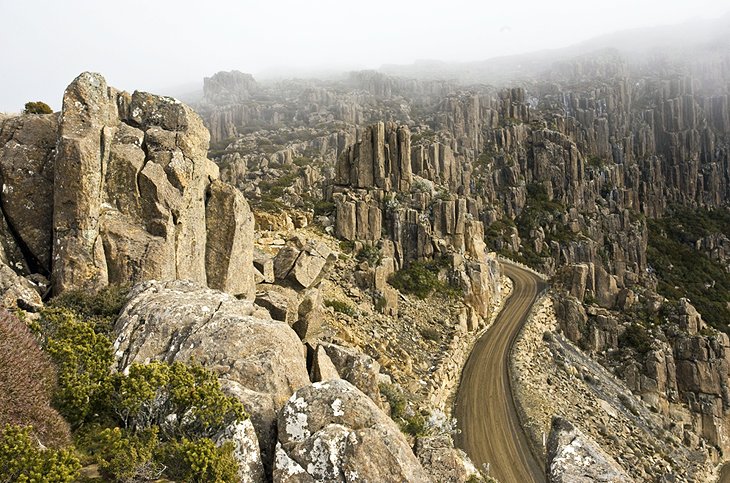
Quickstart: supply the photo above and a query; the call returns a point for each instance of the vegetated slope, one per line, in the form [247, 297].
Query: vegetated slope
[687, 251]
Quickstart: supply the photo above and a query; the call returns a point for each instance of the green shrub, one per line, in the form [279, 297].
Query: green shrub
[636, 336]
[417, 279]
[200, 461]
[134, 424]
[302, 161]
[414, 424]
[102, 307]
[396, 400]
[421, 279]
[37, 107]
[125, 456]
[341, 307]
[83, 358]
[150, 393]
[323, 208]
[347, 246]
[370, 254]
[22, 460]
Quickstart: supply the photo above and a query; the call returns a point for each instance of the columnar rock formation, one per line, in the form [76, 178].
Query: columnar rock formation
[377, 196]
[120, 190]
[381, 159]
[228, 87]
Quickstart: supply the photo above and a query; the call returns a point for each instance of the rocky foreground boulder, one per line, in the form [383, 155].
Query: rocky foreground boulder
[331, 431]
[259, 360]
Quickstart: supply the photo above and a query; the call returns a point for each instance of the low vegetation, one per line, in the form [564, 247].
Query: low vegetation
[156, 420]
[421, 278]
[341, 307]
[637, 337]
[684, 271]
[370, 254]
[23, 460]
[37, 107]
[411, 422]
[28, 384]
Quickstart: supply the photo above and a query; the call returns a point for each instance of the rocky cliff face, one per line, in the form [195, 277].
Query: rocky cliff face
[679, 366]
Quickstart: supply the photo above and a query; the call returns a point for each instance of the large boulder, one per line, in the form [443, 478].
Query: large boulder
[259, 360]
[135, 197]
[331, 431]
[359, 369]
[303, 262]
[574, 457]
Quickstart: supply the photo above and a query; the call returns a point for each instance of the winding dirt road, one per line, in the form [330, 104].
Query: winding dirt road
[490, 427]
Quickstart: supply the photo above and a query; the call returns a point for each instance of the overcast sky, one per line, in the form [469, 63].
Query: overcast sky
[160, 44]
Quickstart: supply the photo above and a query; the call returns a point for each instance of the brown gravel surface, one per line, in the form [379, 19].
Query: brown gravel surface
[491, 433]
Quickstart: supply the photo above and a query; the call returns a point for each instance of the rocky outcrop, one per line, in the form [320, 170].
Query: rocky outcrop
[330, 431]
[229, 247]
[246, 450]
[355, 367]
[381, 159]
[574, 457]
[135, 198]
[680, 368]
[552, 377]
[377, 196]
[176, 320]
[19, 292]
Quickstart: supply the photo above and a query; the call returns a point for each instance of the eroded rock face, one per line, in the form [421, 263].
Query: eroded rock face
[135, 197]
[229, 248]
[330, 431]
[574, 457]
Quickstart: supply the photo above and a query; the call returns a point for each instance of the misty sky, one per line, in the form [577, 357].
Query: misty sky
[159, 45]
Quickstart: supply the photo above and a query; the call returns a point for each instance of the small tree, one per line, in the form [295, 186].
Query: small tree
[37, 107]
